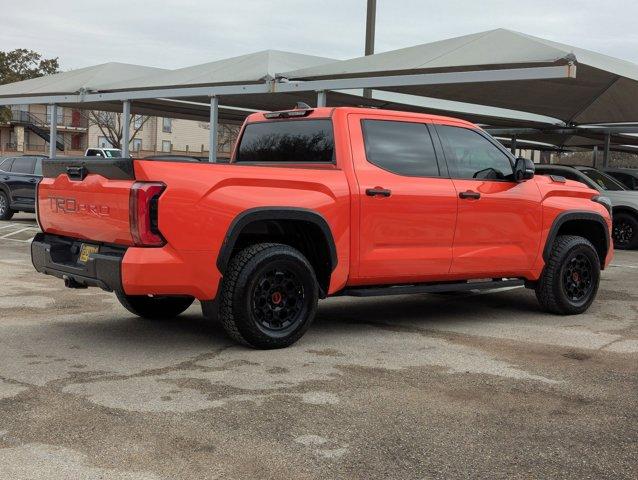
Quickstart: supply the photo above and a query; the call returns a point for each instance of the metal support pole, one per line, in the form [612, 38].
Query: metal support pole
[606, 153]
[371, 18]
[321, 98]
[513, 146]
[214, 117]
[53, 131]
[594, 154]
[126, 128]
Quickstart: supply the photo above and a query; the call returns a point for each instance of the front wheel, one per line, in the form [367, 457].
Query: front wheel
[5, 211]
[154, 308]
[569, 282]
[625, 231]
[269, 296]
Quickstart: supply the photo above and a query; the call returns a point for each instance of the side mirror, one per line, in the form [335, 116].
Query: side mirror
[523, 169]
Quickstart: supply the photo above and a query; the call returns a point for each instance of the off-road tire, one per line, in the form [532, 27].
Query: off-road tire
[555, 282]
[246, 305]
[629, 224]
[154, 308]
[5, 210]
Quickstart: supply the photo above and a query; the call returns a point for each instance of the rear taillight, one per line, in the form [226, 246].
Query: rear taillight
[143, 213]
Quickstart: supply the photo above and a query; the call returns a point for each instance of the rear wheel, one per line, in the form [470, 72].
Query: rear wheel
[5, 211]
[269, 296]
[155, 308]
[569, 282]
[625, 231]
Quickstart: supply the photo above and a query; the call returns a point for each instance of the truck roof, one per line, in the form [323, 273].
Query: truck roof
[327, 112]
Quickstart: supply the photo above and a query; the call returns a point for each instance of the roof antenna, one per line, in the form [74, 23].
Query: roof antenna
[302, 106]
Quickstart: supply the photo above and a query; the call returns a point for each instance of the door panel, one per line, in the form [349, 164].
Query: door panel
[407, 227]
[22, 182]
[499, 222]
[498, 232]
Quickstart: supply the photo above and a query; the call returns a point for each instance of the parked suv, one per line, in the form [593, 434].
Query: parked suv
[18, 179]
[625, 202]
[317, 203]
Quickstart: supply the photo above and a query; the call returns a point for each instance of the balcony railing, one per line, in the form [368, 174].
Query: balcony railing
[72, 120]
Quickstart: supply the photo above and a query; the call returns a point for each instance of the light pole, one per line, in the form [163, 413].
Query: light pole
[371, 16]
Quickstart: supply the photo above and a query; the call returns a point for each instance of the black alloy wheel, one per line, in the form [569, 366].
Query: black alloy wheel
[625, 231]
[278, 301]
[577, 277]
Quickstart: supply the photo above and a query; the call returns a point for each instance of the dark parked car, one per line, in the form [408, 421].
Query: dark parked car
[627, 176]
[18, 179]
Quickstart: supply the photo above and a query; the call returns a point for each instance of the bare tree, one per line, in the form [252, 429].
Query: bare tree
[111, 125]
[226, 134]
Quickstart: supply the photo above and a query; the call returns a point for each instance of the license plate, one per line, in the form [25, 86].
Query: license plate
[85, 251]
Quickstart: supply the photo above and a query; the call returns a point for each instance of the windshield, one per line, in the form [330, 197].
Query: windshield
[603, 180]
[112, 153]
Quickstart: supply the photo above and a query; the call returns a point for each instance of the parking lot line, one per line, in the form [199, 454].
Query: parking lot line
[623, 266]
[9, 226]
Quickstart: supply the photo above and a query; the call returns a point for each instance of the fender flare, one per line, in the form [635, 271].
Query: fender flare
[273, 213]
[568, 216]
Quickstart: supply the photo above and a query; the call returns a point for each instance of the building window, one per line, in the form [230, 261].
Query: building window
[60, 114]
[138, 121]
[102, 142]
[136, 145]
[167, 125]
[166, 146]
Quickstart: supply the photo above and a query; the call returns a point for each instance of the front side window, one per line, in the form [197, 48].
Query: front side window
[299, 141]
[404, 148]
[602, 180]
[38, 167]
[23, 165]
[470, 155]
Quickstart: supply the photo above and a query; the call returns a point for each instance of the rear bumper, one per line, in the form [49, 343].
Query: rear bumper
[55, 255]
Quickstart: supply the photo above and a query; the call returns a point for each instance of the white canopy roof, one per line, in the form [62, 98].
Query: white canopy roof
[605, 88]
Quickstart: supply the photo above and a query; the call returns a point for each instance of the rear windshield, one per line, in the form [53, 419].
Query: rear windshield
[299, 141]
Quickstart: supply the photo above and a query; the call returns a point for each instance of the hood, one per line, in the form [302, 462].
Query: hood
[618, 198]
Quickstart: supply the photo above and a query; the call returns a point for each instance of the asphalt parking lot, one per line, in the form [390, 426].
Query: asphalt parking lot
[473, 386]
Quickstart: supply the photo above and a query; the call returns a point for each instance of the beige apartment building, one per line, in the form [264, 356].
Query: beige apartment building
[26, 131]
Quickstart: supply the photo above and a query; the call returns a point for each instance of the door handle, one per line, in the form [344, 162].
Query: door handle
[470, 194]
[6, 178]
[33, 180]
[378, 191]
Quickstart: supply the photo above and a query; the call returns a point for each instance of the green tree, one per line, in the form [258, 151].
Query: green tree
[22, 64]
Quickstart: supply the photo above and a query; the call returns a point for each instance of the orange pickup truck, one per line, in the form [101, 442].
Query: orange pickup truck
[316, 203]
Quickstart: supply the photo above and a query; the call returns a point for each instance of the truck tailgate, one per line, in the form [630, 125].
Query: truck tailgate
[87, 198]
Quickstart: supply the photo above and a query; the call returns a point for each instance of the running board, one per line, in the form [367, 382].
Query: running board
[429, 288]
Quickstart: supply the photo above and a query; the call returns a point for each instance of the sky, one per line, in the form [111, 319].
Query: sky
[174, 34]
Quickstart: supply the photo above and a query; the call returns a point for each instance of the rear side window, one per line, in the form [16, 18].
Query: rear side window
[5, 166]
[470, 155]
[298, 141]
[403, 148]
[92, 153]
[23, 165]
[627, 180]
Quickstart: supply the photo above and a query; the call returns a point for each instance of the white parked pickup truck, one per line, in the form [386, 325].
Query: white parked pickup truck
[103, 152]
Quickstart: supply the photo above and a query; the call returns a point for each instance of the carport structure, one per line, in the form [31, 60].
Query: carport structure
[494, 69]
